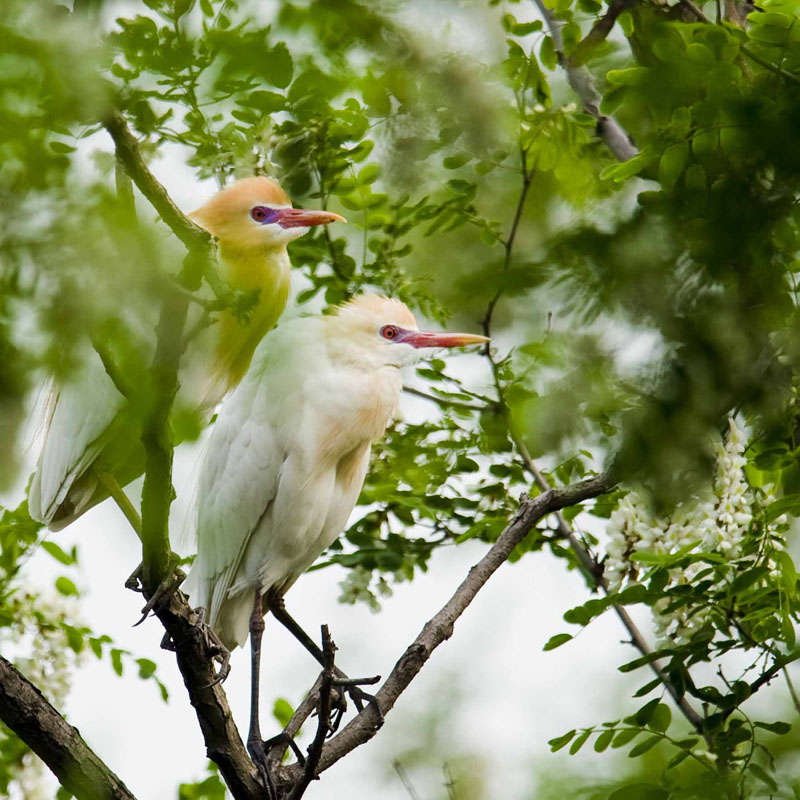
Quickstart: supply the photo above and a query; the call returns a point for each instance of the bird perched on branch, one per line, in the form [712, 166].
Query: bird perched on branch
[93, 430]
[288, 456]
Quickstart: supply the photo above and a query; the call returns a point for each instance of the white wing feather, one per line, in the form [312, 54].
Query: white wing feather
[82, 411]
[241, 472]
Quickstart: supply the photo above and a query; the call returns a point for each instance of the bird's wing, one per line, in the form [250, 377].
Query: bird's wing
[238, 482]
[82, 411]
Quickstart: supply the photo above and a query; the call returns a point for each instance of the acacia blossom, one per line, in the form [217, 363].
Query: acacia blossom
[716, 520]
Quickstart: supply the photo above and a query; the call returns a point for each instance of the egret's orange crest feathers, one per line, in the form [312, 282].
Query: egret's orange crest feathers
[236, 200]
[383, 308]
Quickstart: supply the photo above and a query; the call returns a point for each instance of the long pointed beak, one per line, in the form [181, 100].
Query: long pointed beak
[423, 339]
[305, 218]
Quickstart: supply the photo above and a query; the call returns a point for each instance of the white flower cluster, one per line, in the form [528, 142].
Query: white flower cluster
[49, 663]
[716, 520]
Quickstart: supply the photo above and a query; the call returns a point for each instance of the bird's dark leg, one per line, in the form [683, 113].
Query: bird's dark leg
[171, 581]
[255, 744]
[275, 603]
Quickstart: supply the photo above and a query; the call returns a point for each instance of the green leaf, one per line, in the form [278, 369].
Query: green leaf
[672, 163]
[643, 747]
[282, 711]
[146, 667]
[626, 169]
[561, 741]
[781, 728]
[61, 148]
[661, 718]
[788, 572]
[57, 553]
[66, 587]
[266, 102]
[456, 161]
[762, 775]
[603, 741]
[557, 641]
[746, 579]
[645, 713]
[580, 741]
[624, 736]
[786, 505]
[369, 174]
[116, 660]
[279, 66]
[547, 53]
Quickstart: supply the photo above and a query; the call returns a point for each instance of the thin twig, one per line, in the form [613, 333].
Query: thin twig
[323, 720]
[449, 782]
[443, 401]
[110, 484]
[366, 724]
[792, 692]
[405, 780]
[582, 82]
[118, 378]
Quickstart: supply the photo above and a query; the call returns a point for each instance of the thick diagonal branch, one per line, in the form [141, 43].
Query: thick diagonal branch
[25, 710]
[582, 82]
[196, 239]
[193, 649]
[363, 727]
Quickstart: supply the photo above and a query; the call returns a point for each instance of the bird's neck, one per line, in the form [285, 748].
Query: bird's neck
[266, 271]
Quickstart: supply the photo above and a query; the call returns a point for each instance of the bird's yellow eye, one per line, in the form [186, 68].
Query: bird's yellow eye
[389, 332]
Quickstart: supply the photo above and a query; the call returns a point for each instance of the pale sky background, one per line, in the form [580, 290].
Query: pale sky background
[503, 695]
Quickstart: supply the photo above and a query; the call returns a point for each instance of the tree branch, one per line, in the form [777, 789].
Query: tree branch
[157, 491]
[443, 402]
[194, 651]
[128, 152]
[364, 726]
[324, 712]
[196, 239]
[25, 710]
[582, 83]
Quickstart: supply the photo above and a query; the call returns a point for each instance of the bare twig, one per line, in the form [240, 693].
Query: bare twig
[323, 720]
[449, 782]
[792, 691]
[443, 401]
[128, 152]
[405, 780]
[600, 30]
[196, 239]
[115, 491]
[364, 726]
[778, 664]
[194, 649]
[582, 83]
[27, 712]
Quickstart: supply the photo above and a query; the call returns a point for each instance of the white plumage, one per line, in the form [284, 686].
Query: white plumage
[91, 426]
[290, 449]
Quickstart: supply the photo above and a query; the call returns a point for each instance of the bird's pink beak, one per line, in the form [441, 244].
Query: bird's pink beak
[422, 339]
[305, 218]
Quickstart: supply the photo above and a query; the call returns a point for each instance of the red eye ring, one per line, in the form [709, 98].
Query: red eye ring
[259, 214]
[389, 332]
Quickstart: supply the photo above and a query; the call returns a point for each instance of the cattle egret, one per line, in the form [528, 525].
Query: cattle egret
[288, 456]
[93, 432]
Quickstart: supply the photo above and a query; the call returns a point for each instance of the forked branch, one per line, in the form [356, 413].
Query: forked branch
[364, 726]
